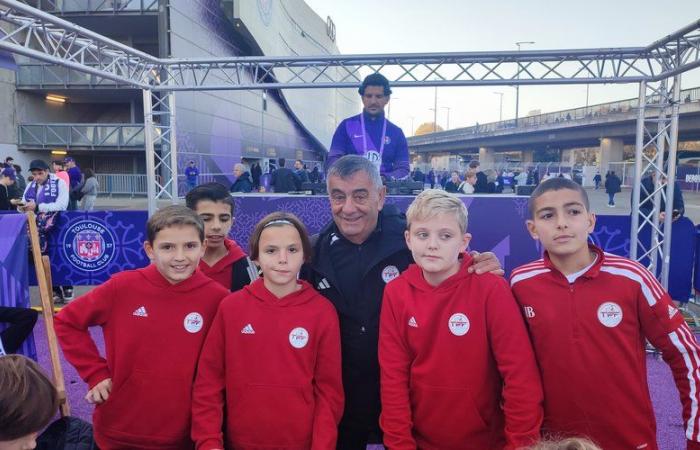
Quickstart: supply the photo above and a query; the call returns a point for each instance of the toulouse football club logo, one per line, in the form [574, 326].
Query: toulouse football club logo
[88, 245]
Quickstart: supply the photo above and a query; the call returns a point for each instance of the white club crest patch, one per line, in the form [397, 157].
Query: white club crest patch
[389, 273]
[194, 322]
[299, 337]
[459, 324]
[610, 314]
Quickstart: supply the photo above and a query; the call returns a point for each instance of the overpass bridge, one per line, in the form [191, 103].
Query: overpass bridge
[607, 127]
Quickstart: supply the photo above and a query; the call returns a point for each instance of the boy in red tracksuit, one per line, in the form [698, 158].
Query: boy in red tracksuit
[223, 261]
[588, 314]
[154, 322]
[457, 369]
[270, 372]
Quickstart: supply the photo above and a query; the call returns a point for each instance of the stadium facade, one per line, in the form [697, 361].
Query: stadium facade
[49, 111]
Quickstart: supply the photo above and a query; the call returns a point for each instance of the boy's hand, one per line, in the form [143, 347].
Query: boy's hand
[484, 263]
[100, 392]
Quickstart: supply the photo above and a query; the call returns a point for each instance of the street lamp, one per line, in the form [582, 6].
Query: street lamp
[500, 108]
[448, 116]
[517, 76]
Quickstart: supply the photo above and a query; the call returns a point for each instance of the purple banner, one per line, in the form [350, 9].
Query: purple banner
[14, 264]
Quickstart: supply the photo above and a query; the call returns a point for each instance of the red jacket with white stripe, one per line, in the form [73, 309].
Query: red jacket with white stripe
[588, 338]
[457, 370]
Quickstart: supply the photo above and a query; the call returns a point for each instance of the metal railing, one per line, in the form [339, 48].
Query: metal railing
[122, 184]
[592, 112]
[95, 6]
[51, 75]
[87, 136]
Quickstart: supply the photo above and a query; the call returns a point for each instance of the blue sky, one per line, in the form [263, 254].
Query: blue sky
[392, 26]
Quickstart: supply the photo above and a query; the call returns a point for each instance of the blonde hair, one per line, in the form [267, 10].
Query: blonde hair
[432, 202]
[565, 444]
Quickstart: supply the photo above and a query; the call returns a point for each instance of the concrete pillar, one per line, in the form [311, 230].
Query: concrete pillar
[568, 157]
[527, 156]
[486, 157]
[611, 150]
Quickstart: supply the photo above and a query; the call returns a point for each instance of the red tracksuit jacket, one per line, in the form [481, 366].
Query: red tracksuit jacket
[221, 271]
[457, 368]
[153, 333]
[588, 338]
[271, 367]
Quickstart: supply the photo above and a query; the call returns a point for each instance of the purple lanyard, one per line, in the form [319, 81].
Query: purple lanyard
[364, 135]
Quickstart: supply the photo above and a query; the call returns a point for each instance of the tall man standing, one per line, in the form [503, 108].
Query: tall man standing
[76, 180]
[353, 258]
[370, 134]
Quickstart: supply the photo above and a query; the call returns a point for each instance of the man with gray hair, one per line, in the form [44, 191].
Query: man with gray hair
[354, 256]
[242, 183]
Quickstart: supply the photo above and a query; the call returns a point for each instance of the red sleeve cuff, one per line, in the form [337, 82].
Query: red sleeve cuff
[98, 376]
[693, 445]
[211, 444]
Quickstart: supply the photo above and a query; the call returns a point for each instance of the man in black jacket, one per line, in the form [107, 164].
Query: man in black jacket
[283, 179]
[482, 183]
[354, 257]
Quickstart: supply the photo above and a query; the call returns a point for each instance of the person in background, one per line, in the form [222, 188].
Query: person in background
[482, 183]
[453, 185]
[59, 170]
[283, 179]
[612, 186]
[300, 174]
[314, 175]
[21, 182]
[597, 179]
[646, 191]
[191, 174]
[242, 182]
[20, 323]
[7, 180]
[89, 190]
[467, 186]
[256, 173]
[76, 181]
[431, 178]
[371, 135]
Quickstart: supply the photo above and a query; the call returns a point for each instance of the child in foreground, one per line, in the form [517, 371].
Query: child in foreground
[588, 314]
[154, 322]
[28, 401]
[270, 371]
[457, 368]
[223, 261]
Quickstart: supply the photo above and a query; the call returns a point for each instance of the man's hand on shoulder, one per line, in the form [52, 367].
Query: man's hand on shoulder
[100, 392]
[485, 263]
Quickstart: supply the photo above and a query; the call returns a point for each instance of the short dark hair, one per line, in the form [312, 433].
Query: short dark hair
[281, 162]
[216, 192]
[375, 79]
[280, 219]
[555, 184]
[473, 164]
[28, 399]
[89, 173]
[171, 216]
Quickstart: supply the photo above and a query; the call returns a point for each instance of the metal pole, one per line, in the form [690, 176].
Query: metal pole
[638, 157]
[173, 147]
[670, 179]
[435, 113]
[500, 107]
[658, 170]
[150, 152]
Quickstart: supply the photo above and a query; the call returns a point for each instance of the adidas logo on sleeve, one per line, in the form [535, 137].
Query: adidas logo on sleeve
[248, 329]
[140, 312]
[412, 322]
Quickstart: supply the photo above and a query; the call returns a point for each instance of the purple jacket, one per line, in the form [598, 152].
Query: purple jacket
[348, 140]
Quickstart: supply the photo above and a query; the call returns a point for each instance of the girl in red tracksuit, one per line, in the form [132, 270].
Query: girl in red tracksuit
[270, 366]
[457, 368]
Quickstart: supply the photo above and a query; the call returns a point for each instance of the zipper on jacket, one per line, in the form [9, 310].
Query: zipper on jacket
[574, 311]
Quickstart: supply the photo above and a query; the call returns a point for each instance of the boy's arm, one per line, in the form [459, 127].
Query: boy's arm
[328, 385]
[394, 361]
[522, 386]
[72, 323]
[209, 389]
[664, 326]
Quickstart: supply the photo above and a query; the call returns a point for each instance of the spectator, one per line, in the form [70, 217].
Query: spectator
[89, 190]
[491, 181]
[481, 186]
[419, 176]
[521, 179]
[7, 180]
[46, 195]
[191, 175]
[647, 189]
[76, 181]
[283, 179]
[242, 182]
[20, 325]
[9, 162]
[431, 178]
[597, 179]
[60, 171]
[612, 186]
[300, 174]
[21, 182]
[467, 185]
[314, 176]
[454, 184]
[256, 173]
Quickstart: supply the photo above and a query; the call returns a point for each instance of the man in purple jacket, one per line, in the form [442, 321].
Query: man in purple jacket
[371, 135]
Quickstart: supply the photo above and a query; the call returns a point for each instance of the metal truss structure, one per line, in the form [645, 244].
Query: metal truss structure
[27, 31]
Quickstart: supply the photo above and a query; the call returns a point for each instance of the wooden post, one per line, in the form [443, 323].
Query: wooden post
[43, 276]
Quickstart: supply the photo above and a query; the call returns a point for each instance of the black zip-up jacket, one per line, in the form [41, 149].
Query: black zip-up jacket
[385, 256]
